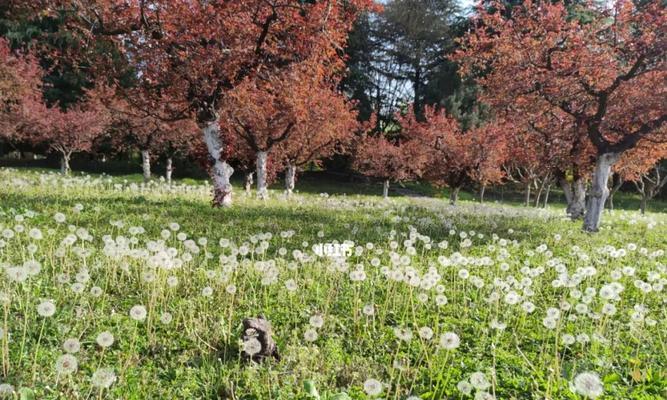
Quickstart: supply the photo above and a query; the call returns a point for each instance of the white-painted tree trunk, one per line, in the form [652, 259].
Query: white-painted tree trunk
[599, 191]
[262, 190]
[248, 182]
[64, 163]
[220, 172]
[146, 164]
[385, 189]
[290, 179]
[169, 170]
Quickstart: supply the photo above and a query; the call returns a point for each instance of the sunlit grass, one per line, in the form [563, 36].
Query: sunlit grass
[530, 296]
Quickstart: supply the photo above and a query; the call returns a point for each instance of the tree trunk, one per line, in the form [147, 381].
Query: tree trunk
[146, 164]
[540, 190]
[290, 179]
[170, 170]
[220, 172]
[538, 197]
[575, 196]
[454, 195]
[262, 190]
[546, 195]
[567, 190]
[64, 163]
[578, 206]
[385, 189]
[481, 193]
[527, 199]
[642, 204]
[248, 182]
[617, 183]
[599, 191]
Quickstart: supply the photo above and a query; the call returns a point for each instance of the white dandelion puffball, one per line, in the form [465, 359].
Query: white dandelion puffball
[252, 346]
[425, 333]
[172, 281]
[316, 321]
[103, 378]
[588, 384]
[449, 341]
[59, 217]
[66, 364]
[464, 387]
[96, 291]
[166, 318]
[310, 335]
[478, 381]
[105, 339]
[372, 387]
[291, 285]
[138, 313]
[6, 390]
[46, 308]
[71, 346]
[369, 309]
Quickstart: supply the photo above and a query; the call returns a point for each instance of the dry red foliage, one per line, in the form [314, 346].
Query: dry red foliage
[603, 78]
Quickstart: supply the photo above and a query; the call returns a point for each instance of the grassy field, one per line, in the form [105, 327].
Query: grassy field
[118, 290]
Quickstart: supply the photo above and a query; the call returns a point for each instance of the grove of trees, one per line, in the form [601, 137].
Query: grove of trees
[538, 94]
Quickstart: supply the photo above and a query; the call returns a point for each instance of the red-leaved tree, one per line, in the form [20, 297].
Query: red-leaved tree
[151, 132]
[20, 84]
[326, 128]
[195, 52]
[645, 167]
[263, 113]
[65, 131]
[451, 157]
[606, 75]
[387, 159]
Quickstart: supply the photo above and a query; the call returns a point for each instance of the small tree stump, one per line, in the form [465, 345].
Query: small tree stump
[259, 328]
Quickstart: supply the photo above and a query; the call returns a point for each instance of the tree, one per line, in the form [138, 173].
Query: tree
[413, 37]
[66, 57]
[327, 128]
[263, 113]
[65, 132]
[150, 131]
[195, 52]
[605, 76]
[486, 154]
[640, 167]
[177, 139]
[20, 85]
[384, 159]
[544, 151]
[451, 157]
[651, 183]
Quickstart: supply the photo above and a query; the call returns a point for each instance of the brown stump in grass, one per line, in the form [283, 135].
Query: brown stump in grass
[260, 329]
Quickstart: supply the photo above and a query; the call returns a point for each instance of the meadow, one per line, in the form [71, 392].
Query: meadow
[115, 289]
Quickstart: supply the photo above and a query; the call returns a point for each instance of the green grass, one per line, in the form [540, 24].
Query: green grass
[198, 354]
